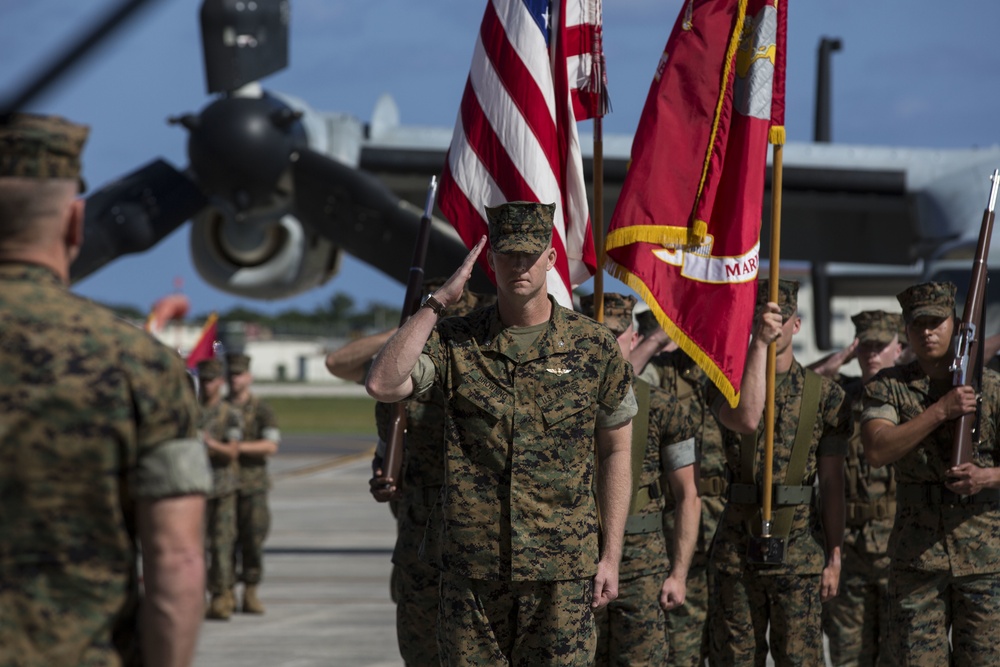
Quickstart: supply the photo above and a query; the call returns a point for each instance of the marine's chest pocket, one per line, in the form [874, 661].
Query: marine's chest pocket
[481, 396]
[564, 406]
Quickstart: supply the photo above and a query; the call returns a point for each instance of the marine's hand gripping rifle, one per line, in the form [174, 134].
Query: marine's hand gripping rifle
[411, 302]
[968, 337]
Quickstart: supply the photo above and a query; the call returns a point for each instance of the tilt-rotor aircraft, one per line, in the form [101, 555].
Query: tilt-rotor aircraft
[276, 191]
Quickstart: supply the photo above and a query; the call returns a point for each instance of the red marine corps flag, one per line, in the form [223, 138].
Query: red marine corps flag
[205, 347]
[516, 138]
[686, 231]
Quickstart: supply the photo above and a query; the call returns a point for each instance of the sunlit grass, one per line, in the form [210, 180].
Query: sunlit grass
[354, 415]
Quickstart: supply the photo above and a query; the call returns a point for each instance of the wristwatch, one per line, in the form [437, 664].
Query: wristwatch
[432, 303]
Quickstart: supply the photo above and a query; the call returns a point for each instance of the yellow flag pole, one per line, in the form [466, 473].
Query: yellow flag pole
[599, 217]
[772, 349]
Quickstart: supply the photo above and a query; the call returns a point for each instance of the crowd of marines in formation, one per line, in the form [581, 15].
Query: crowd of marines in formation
[573, 492]
[687, 592]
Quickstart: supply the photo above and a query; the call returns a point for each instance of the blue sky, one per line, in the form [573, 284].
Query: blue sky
[912, 73]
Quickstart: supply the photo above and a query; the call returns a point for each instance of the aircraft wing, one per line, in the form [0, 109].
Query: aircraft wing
[854, 204]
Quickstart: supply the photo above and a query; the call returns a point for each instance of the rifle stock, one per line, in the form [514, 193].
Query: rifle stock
[393, 462]
[967, 364]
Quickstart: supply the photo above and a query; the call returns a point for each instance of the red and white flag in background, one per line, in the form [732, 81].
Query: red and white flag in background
[532, 78]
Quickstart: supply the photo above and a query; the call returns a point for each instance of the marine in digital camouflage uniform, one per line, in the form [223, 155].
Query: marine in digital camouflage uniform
[687, 625]
[529, 386]
[857, 620]
[748, 596]
[944, 571]
[631, 630]
[97, 439]
[261, 438]
[414, 582]
[221, 428]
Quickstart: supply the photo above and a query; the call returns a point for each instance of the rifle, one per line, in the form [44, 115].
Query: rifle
[968, 337]
[393, 462]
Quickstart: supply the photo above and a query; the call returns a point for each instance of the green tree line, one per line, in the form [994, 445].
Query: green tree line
[340, 317]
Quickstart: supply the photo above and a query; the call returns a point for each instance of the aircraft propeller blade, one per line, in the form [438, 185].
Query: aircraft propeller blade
[133, 214]
[364, 218]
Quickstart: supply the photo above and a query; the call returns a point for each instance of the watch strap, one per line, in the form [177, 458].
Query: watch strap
[431, 302]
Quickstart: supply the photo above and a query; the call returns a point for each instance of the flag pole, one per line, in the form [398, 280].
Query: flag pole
[598, 222]
[599, 217]
[772, 348]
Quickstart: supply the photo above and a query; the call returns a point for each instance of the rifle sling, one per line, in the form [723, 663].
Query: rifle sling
[640, 440]
[781, 523]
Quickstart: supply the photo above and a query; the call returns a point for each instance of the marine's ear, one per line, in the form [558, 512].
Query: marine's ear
[73, 233]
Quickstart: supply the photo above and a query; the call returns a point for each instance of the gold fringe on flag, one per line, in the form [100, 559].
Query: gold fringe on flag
[676, 334]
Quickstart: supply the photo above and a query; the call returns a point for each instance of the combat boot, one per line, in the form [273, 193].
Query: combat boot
[221, 607]
[251, 604]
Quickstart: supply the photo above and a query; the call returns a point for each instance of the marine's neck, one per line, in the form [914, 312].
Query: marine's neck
[54, 259]
[515, 313]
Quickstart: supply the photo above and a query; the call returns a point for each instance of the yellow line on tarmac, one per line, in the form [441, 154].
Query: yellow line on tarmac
[335, 462]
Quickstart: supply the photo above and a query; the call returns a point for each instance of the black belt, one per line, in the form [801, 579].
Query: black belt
[935, 494]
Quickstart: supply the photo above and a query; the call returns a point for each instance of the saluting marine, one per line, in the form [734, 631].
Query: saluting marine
[530, 387]
[414, 582]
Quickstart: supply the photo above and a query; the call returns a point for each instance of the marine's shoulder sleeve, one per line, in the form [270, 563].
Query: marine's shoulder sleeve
[171, 460]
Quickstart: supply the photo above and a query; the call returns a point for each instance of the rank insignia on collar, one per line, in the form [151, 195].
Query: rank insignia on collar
[557, 371]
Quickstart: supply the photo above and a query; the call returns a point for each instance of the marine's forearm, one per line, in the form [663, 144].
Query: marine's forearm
[614, 487]
[389, 378]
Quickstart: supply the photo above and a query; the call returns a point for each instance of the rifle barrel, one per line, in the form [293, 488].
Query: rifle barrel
[967, 360]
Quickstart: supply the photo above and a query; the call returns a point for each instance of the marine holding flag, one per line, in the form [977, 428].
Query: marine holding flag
[686, 231]
[516, 138]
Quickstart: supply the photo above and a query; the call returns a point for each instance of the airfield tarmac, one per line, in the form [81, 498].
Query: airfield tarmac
[327, 565]
[326, 580]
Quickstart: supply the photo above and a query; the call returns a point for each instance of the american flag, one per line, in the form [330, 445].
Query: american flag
[532, 78]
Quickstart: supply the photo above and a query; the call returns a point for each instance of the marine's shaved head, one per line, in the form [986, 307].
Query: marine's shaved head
[31, 208]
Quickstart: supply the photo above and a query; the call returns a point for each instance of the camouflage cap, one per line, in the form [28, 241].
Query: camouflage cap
[927, 299]
[41, 147]
[520, 226]
[617, 310]
[876, 326]
[788, 296]
[209, 369]
[237, 363]
[647, 322]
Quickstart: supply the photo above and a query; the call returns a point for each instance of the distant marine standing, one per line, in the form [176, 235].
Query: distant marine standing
[261, 438]
[221, 428]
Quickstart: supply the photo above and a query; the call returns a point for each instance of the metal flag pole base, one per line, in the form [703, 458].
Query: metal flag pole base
[767, 549]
